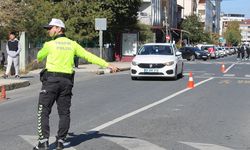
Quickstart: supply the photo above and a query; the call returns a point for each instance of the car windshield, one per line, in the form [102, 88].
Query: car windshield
[156, 50]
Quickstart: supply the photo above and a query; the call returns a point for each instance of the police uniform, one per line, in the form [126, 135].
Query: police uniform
[57, 82]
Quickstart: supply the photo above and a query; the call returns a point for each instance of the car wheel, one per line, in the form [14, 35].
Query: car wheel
[181, 74]
[175, 74]
[205, 59]
[134, 78]
[192, 57]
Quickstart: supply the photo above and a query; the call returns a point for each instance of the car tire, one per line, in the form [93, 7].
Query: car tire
[205, 59]
[134, 78]
[180, 75]
[176, 74]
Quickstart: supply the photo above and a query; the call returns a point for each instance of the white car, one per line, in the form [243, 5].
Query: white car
[157, 60]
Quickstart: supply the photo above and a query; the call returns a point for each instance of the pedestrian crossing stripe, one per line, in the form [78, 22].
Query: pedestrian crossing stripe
[205, 146]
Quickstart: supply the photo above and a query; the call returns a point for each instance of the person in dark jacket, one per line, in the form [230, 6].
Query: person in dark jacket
[247, 52]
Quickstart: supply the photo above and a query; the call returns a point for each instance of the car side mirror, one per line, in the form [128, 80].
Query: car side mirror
[178, 53]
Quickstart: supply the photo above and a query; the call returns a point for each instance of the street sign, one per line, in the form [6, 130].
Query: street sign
[100, 23]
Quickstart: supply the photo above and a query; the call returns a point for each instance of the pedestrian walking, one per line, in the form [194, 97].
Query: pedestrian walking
[13, 49]
[243, 51]
[57, 81]
[247, 52]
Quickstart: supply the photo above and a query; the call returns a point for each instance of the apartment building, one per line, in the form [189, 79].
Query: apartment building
[245, 31]
[161, 15]
[225, 18]
[189, 7]
[209, 12]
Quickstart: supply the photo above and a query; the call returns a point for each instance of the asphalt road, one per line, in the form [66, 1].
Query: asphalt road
[112, 112]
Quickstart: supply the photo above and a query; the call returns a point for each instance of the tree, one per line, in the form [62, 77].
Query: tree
[194, 26]
[78, 15]
[232, 34]
[11, 14]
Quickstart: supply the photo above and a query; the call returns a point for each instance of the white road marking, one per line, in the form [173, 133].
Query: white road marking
[32, 140]
[229, 68]
[204, 146]
[112, 122]
[229, 75]
[134, 144]
[247, 76]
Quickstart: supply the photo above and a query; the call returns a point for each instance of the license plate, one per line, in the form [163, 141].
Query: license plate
[204, 56]
[151, 70]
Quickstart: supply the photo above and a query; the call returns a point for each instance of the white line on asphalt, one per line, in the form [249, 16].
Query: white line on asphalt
[229, 75]
[204, 146]
[134, 144]
[112, 122]
[247, 76]
[229, 68]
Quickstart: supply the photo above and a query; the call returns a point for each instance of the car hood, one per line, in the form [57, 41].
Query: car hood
[202, 52]
[154, 58]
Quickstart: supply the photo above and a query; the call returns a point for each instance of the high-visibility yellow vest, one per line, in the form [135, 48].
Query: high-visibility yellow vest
[60, 54]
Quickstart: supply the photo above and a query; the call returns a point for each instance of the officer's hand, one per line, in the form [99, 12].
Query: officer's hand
[113, 68]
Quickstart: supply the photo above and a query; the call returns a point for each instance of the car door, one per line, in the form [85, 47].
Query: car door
[184, 52]
[179, 59]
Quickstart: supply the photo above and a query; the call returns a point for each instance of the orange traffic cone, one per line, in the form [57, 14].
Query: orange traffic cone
[222, 68]
[190, 81]
[3, 93]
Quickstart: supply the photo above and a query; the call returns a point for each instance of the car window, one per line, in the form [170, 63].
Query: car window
[156, 50]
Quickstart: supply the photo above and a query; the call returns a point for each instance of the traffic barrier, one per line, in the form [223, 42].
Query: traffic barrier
[190, 81]
[222, 68]
[3, 93]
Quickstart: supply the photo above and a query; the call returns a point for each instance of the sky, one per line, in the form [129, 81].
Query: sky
[236, 6]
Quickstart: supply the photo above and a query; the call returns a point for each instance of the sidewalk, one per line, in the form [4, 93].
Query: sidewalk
[12, 83]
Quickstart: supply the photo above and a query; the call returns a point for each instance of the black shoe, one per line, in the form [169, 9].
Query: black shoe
[59, 145]
[17, 76]
[42, 146]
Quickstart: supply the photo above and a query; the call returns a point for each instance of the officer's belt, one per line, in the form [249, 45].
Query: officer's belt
[57, 74]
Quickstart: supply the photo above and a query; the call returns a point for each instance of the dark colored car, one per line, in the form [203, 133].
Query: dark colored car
[192, 53]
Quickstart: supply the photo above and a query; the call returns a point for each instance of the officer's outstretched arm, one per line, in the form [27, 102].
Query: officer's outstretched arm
[113, 68]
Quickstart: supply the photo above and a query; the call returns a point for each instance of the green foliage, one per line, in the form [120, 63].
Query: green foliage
[195, 28]
[232, 34]
[78, 15]
[145, 33]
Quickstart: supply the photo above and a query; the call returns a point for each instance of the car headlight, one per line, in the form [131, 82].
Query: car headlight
[134, 63]
[169, 63]
[197, 53]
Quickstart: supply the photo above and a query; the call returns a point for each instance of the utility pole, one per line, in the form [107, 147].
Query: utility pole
[168, 38]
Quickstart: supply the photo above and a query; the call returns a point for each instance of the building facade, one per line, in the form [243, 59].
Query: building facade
[209, 12]
[225, 18]
[189, 7]
[161, 15]
[245, 31]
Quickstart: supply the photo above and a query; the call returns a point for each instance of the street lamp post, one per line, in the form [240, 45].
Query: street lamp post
[246, 32]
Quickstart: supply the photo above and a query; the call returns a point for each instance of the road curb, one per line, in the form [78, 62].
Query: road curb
[12, 86]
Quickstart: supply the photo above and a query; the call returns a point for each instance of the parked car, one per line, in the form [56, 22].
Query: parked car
[157, 60]
[210, 49]
[192, 53]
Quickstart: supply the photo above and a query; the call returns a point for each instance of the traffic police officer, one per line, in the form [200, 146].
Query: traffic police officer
[57, 81]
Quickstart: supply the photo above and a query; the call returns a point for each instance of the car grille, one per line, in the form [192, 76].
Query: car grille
[151, 73]
[151, 65]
